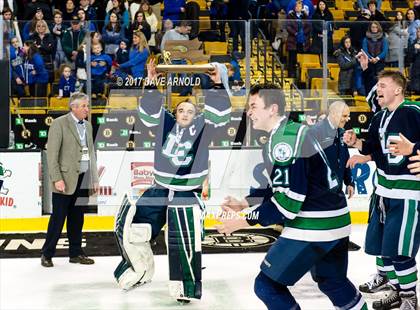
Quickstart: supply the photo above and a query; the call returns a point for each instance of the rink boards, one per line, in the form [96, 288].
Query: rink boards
[231, 172]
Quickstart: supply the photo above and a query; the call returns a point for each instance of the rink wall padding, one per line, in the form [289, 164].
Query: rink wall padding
[106, 223]
[104, 244]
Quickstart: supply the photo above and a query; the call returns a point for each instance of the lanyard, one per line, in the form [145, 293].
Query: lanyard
[384, 124]
[382, 130]
[82, 135]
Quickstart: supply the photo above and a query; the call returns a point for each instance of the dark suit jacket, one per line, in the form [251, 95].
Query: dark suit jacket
[337, 152]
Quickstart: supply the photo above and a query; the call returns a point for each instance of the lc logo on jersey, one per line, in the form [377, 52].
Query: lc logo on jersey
[282, 152]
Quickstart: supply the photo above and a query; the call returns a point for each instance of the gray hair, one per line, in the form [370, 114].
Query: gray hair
[77, 97]
[337, 106]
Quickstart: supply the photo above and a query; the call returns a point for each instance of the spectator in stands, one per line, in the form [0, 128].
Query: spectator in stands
[80, 64]
[10, 26]
[359, 28]
[307, 7]
[122, 54]
[45, 43]
[398, 40]
[72, 39]
[110, 5]
[10, 5]
[323, 13]
[167, 25]
[363, 4]
[414, 60]
[69, 11]
[36, 76]
[141, 24]
[346, 58]
[30, 26]
[139, 53]
[173, 10]
[89, 10]
[99, 6]
[134, 7]
[298, 29]
[153, 21]
[57, 30]
[237, 15]
[416, 6]
[234, 70]
[413, 23]
[96, 37]
[179, 33]
[113, 33]
[192, 13]
[100, 66]
[375, 45]
[16, 64]
[37, 5]
[67, 83]
[218, 16]
[375, 14]
[120, 10]
[85, 24]
[155, 10]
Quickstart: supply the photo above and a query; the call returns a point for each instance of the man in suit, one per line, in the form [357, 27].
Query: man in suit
[71, 168]
[328, 133]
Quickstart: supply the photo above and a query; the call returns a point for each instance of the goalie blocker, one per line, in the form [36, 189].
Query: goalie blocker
[136, 225]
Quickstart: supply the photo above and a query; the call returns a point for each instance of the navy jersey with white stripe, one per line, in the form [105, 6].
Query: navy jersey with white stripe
[394, 178]
[304, 197]
[182, 154]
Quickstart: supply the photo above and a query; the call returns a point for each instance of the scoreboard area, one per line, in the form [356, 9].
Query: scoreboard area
[112, 130]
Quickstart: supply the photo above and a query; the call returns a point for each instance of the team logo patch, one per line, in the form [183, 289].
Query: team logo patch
[282, 152]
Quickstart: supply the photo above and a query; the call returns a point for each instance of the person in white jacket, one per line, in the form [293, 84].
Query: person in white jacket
[152, 20]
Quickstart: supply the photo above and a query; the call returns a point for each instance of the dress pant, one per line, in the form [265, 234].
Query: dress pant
[72, 208]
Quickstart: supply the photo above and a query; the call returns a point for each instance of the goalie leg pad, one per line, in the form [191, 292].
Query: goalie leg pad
[184, 251]
[126, 277]
[134, 244]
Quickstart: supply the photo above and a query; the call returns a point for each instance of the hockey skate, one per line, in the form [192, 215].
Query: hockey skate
[378, 283]
[392, 301]
[408, 301]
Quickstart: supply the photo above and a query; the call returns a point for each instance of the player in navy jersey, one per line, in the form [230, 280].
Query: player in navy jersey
[306, 197]
[180, 168]
[393, 230]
